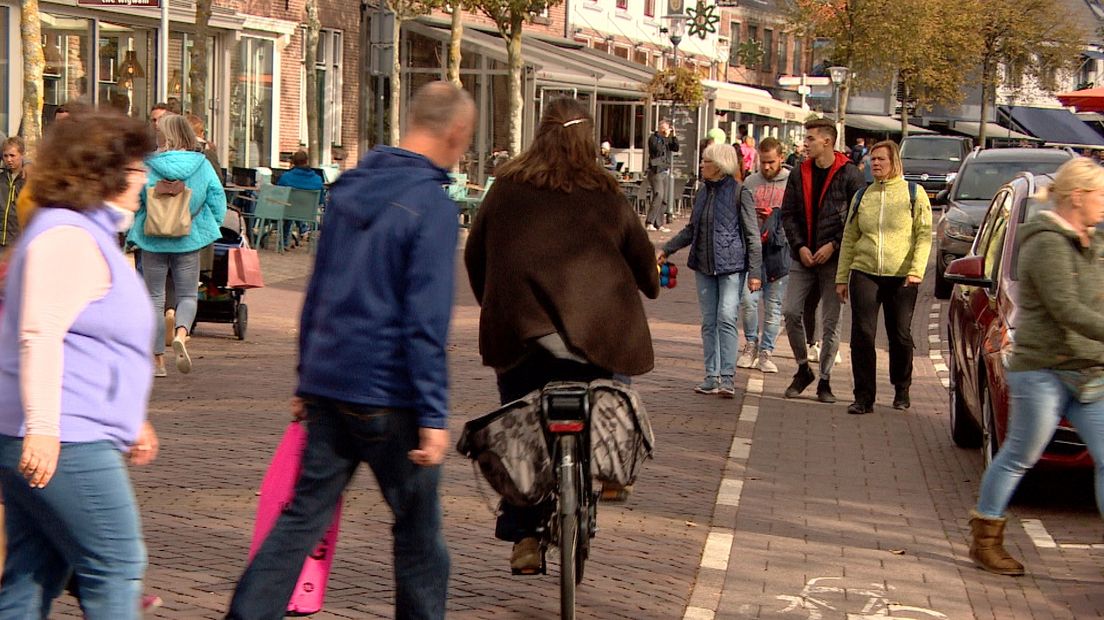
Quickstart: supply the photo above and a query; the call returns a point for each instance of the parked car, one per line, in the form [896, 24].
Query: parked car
[981, 328]
[974, 186]
[933, 161]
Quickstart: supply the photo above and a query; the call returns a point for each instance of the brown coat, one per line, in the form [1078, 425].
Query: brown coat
[542, 261]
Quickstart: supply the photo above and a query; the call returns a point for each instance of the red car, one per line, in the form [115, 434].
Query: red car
[980, 325]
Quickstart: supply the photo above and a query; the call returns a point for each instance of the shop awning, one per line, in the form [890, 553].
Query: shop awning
[992, 130]
[1056, 126]
[1086, 100]
[875, 122]
[750, 100]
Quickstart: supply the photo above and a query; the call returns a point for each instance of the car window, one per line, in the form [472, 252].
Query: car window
[985, 231]
[981, 180]
[932, 149]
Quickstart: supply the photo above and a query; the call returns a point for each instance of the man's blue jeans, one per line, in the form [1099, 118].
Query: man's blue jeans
[339, 437]
[771, 294]
[719, 299]
[1039, 401]
[85, 521]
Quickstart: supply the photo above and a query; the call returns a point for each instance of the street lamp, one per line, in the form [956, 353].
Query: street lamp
[676, 31]
[839, 76]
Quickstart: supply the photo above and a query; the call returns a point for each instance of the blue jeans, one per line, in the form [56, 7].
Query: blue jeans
[771, 294]
[339, 437]
[85, 522]
[719, 298]
[1038, 402]
[185, 272]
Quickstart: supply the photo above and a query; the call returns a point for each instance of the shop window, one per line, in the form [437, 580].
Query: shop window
[621, 52]
[649, 8]
[734, 44]
[768, 49]
[798, 59]
[68, 52]
[641, 57]
[328, 74]
[251, 102]
[181, 45]
[127, 66]
[622, 5]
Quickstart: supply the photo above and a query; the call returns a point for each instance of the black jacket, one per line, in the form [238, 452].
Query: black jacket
[659, 152]
[797, 206]
[10, 186]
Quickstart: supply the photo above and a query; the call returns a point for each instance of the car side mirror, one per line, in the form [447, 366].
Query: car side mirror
[942, 198]
[969, 271]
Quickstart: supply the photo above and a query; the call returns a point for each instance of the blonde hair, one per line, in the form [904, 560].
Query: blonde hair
[178, 133]
[724, 156]
[1079, 173]
[896, 168]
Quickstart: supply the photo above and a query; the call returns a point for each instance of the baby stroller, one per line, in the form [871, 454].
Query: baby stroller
[217, 302]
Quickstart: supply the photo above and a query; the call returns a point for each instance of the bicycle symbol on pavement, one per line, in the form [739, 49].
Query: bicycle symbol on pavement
[822, 598]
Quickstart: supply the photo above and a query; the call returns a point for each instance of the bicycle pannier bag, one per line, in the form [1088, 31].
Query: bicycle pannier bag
[510, 447]
[168, 212]
[621, 437]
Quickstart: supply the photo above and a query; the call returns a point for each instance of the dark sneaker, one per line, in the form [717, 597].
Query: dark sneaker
[709, 386]
[857, 408]
[728, 388]
[901, 399]
[526, 558]
[824, 392]
[802, 379]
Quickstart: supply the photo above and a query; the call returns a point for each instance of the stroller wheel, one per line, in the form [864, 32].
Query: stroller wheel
[241, 321]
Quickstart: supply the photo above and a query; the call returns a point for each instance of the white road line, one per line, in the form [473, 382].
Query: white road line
[729, 493]
[741, 448]
[749, 413]
[940, 367]
[935, 355]
[755, 386]
[933, 338]
[1038, 534]
[935, 307]
[698, 613]
[946, 381]
[933, 327]
[718, 546]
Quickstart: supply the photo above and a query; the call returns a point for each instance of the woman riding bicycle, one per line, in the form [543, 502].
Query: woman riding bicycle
[556, 257]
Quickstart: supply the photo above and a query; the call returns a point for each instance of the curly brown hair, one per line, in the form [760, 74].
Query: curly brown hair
[564, 153]
[82, 162]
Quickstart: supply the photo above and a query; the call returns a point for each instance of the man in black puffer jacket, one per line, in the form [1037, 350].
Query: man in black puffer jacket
[814, 212]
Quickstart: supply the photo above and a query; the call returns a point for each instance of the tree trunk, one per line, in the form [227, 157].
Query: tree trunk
[30, 28]
[985, 73]
[197, 75]
[456, 34]
[396, 81]
[517, 67]
[903, 86]
[314, 141]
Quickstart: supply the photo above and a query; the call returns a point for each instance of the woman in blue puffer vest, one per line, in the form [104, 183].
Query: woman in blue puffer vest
[726, 255]
[178, 160]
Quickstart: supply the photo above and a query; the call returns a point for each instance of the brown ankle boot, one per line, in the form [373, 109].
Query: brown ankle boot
[987, 546]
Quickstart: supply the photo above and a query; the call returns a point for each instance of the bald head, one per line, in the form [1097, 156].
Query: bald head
[440, 121]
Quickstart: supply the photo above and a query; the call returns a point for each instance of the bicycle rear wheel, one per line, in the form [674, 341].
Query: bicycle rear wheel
[569, 524]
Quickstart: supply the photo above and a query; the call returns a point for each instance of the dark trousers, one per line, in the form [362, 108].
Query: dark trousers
[809, 316]
[657, 212]
[539, 368]
[339, 437]
[867, 293]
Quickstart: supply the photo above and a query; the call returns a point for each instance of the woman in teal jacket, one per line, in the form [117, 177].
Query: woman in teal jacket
[178, 161]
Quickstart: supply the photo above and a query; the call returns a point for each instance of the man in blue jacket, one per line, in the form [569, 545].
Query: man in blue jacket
[300, 176]
[373, 375]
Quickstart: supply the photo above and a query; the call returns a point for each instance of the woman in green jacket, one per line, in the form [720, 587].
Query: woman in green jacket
[1056, 366]
[885, 249]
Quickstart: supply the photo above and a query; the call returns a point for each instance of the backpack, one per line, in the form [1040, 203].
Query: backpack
[859, 195]
[168, 210]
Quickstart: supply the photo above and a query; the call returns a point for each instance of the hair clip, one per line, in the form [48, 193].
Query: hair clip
[574, 122]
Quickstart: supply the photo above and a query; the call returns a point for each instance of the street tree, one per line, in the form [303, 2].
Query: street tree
[34, 62]
[510, 16]
[404, 11]
[310, 62]
[1035, 37]
[456, 35]
[933, 51]
[197, 73]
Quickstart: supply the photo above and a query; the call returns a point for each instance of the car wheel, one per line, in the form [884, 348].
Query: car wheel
[964, 431]
[942, 286]
[989, 442]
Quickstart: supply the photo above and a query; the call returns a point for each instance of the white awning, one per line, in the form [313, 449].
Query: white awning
[874, 122]
[750, 100]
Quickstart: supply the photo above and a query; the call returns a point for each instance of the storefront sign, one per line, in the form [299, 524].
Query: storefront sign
[149, 3]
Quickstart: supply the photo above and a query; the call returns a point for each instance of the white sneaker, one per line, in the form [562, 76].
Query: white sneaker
[747, 356]
[766, 364]
[814, 353]
[664, 229]
[650, 227]
[839, 358]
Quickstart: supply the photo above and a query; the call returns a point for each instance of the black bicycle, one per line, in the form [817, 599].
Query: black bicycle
[566, 413]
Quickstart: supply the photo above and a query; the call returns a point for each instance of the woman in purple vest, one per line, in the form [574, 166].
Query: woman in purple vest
[75, 373]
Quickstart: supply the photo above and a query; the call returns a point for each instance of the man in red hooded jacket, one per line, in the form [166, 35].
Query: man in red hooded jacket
[814, 212]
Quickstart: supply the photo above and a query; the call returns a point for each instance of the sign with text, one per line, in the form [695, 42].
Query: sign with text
[145, 3]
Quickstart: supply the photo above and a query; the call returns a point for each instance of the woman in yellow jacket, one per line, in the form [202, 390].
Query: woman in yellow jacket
[885, 249]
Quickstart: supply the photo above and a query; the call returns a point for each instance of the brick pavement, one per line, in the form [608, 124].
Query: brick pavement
[823, 494]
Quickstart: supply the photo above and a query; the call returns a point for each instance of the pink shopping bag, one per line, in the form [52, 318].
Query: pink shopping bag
[277, 491]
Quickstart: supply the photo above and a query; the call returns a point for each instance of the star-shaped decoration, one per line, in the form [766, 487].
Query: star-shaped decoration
[702, 20]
